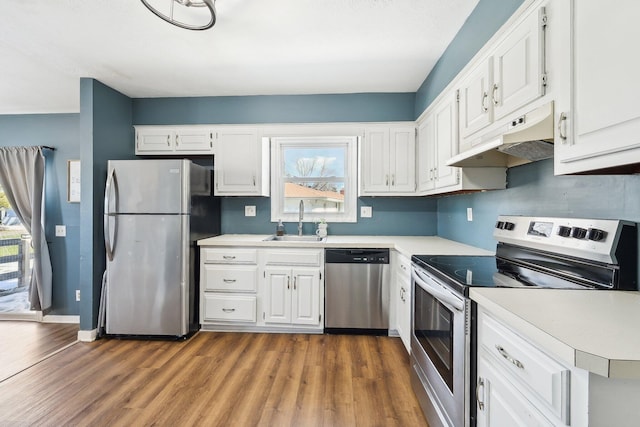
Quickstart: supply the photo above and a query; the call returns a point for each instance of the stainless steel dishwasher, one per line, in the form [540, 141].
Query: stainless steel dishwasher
[357, 291]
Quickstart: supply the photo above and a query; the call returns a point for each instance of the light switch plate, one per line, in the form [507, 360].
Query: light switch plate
[469, 214]
[366, 212]
[249, 211]
[61, 230]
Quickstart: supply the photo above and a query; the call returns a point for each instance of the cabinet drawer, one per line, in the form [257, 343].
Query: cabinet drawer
[293, 257]
[229, 256]
[233, 308]
[230, 278]
[546, 379]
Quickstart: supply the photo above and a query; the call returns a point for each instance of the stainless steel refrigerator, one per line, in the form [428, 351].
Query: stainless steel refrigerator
[154, 212]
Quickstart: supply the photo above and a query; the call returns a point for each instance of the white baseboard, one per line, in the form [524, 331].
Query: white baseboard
[87, 336]
[31, 316]
[60, 318]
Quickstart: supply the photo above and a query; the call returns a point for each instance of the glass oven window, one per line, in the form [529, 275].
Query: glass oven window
[433, 328]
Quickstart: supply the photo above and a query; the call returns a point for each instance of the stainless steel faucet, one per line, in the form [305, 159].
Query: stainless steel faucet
[300, 216]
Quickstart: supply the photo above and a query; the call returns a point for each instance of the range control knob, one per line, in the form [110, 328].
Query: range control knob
[596, 235]
[509, 226]
[500, 225]
[578, 233]
[564, 231]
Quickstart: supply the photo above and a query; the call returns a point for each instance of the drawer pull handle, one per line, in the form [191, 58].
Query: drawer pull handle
[228, 257]
[228, 310]
[480, 402]
[507, 356]
[229, 280]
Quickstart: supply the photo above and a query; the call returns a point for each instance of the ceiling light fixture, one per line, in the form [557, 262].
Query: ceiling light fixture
[188, 14]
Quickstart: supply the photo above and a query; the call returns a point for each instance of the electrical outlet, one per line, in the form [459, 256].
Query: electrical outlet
[469, 214]
[366, 212]
[61, 230]
[77, 294]
[249, 211]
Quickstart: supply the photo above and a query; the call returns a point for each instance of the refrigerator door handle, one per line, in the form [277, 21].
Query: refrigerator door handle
[111, 182]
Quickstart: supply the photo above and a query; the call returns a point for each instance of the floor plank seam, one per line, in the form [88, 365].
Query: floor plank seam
[31, 365]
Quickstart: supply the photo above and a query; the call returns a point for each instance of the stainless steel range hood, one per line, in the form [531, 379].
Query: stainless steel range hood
[524, 139]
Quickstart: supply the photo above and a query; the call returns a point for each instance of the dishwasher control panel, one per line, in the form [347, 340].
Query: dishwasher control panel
[357, 256]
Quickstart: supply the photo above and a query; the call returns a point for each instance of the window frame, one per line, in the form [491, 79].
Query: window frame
[278, 144]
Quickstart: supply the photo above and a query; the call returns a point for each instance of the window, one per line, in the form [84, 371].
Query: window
[320, 172]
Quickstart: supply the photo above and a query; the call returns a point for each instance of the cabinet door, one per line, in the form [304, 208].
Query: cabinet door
[426, 154]
[375, 161]
[305, 302]
[402, 159]
[238, 162]
[604, 124]
[154, 140]
[500, 404]
[277, 295]
[446, 142]
[475, 100]
[194, 141]
[517, 67]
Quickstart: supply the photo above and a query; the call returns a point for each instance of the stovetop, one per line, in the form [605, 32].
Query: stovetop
[462, 272]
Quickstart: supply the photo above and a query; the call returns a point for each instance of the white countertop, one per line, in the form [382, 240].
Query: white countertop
[590, 329]
[407, 245]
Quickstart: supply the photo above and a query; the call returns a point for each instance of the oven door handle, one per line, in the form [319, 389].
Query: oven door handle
[437, 290]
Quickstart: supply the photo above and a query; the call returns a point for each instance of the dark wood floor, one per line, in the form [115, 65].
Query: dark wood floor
[24, 343]
[218, 379]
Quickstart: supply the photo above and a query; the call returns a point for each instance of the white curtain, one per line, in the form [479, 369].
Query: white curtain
[22, 177]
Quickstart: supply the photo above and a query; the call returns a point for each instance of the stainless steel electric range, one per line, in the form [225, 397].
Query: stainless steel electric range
[531, 252]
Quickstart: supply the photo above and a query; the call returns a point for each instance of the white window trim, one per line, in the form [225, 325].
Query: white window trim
[350, 179]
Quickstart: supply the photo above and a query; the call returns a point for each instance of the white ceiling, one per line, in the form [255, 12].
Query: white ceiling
[257, 47]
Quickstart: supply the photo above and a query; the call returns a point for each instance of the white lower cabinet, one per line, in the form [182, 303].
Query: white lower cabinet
[292, 296]
[261, 289]
[228, 286]
[401, 299]
[517, 383]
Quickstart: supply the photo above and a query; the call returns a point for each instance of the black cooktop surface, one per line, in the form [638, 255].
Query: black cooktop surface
[461, 271]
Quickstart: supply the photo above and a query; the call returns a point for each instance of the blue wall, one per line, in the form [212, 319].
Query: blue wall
[407, 216]
[106, 133]
[401, 216]
[62, 132]
[366, 107]
[480, 26]
[534, 190]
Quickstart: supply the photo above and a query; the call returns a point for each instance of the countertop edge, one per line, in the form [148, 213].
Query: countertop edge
[406, 245]
[575, 357]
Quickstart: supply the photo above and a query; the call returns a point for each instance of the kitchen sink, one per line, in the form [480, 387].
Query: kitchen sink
[294, 238]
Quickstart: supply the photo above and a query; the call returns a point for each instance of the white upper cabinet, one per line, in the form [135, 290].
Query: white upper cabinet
[387, 161]
[154, 139]
[168, 140]
[437, 143]
[194, 140]
[518, 66]
[476, 108]
[510, 76]
[241, 165]
[601, 128]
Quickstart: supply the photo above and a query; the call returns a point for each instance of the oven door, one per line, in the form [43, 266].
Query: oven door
[440, 349]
